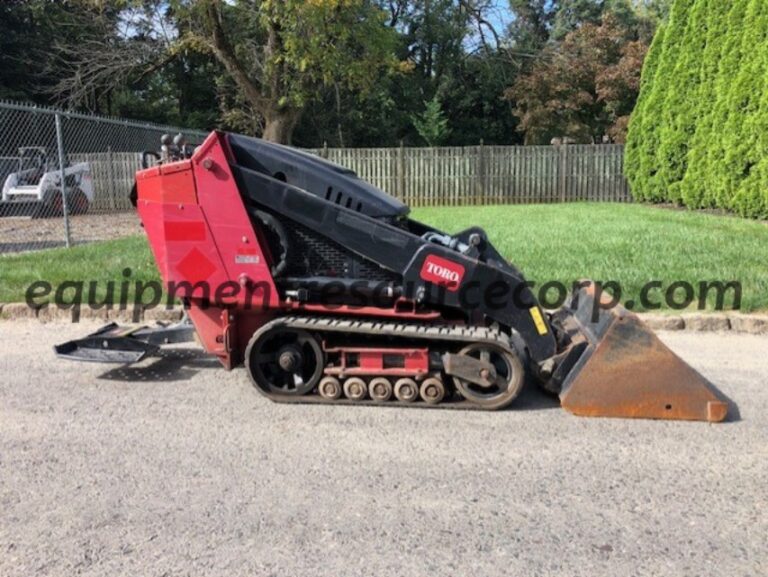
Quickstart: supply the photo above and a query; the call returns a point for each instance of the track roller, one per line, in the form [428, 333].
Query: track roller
[406, 390]
[380, 389]
[329, 388]
[355, 389]
[432, 391]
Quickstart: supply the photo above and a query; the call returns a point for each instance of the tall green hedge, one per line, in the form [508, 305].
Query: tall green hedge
[699, 133]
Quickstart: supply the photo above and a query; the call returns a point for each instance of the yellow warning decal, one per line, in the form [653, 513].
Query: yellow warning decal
[538, 320]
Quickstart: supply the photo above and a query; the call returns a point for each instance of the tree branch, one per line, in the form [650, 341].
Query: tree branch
[224, 52]
[482, 22]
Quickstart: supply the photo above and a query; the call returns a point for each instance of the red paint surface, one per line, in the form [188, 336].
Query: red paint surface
[184, 231]
[167, 183]
[229, 224]
[195, 267]
[370, 361]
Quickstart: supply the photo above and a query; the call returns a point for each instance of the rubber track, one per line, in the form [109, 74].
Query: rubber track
[443, 333]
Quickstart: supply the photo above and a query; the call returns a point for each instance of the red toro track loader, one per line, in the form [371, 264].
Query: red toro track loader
[324, 288]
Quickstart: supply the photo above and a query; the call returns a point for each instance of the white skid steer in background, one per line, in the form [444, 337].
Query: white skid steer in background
[32, 186]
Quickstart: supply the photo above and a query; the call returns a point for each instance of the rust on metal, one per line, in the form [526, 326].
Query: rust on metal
[632, 374]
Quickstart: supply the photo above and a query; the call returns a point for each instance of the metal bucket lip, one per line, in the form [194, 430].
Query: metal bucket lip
[626, 371]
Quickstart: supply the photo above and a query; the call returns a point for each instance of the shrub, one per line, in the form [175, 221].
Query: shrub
[678, 113]
[638, 144]
[696, 187]
[699, 133]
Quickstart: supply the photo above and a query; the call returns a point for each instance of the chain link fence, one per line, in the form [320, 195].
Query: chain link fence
[96, 158]
[66, 177]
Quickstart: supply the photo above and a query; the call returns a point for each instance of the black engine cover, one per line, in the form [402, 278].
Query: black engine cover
[319, 177]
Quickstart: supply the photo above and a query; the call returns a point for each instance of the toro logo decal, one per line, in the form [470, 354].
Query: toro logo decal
[442, 272]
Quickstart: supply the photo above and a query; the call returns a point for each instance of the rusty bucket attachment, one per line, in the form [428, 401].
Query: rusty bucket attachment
[626, 371]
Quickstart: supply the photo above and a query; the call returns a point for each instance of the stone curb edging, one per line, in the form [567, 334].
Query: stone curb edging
[755, 324]
[47, 314]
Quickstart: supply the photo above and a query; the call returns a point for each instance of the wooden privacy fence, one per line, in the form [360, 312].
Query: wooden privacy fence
[113, 176]
[450, 176]
[446, 176]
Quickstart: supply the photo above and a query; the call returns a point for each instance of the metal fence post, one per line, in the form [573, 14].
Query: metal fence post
[63, 184]
[112, 186]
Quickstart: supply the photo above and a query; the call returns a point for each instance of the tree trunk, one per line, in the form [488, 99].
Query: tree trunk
[338, 116]
[279, 125]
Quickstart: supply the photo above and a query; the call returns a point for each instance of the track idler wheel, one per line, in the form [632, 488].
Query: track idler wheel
[502, 379]
[284, 361]
[380, 389]
[355, 389]
[406, 390]
[329, 388]
[432, 391]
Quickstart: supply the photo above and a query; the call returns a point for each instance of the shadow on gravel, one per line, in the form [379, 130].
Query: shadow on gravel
[533, 398]
[183, 363]
[171, 365]
[734, 414]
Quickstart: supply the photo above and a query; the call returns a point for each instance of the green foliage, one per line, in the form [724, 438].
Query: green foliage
[656, 10]
[583, 87]
[345, 72]
[649, 186]
[28, 28]
[432, 125]
[571, 14]
[323, 43]
[741, 133]
[698, 135]
[697, 185]
[680, 107]
[639, 144]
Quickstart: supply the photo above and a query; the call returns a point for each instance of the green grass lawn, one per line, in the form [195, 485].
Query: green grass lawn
[97, 261]
[631, 244]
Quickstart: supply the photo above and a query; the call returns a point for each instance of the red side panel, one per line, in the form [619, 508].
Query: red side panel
[168, 183]
[202, 239]
[200, 231]
[183, 258]
[373, 361]
[235, 238]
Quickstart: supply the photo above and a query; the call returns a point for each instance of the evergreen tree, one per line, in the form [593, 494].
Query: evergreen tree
[637, 145]
[720, 18]
[713, 166]
[699, 133]
[741, 138]
[680, 108]
[648, 185]
[432, 125]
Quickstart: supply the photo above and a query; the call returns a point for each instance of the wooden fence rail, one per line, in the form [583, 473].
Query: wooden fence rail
[446, 176]
[113, 177]
[450, 176]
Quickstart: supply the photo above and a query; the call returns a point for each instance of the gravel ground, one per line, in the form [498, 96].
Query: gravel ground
[18, 234]
[182, 469]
